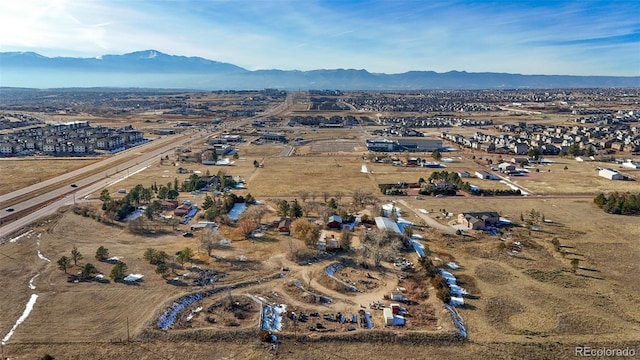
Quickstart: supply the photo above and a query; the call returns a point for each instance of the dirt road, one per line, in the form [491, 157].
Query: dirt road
[429, 221]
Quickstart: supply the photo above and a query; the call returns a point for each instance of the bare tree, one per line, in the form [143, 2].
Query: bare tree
[307, 208]
[256, 213]
[75, 255]
[304, 195]
[245, 227]
[325, 212]
[339, 195]
[314, 195]
[379, 245]
[345, 239]
[362, 198]
[304, 230]
[209, 238]
[325, 196]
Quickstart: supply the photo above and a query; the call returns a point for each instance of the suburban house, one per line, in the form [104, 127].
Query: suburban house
[284, 227]
[168, 204]
[479, 220]
[505, 166]
[182, 210]
[335, 222]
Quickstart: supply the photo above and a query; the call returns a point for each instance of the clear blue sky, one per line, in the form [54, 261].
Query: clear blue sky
[519, 36]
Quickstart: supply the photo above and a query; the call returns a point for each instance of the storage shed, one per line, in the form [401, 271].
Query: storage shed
[388, 316]
[610, 174]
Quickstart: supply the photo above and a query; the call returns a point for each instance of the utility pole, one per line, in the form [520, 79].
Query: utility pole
[128, 338]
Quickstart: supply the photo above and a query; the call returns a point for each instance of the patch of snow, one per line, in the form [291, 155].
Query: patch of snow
[513, 187]
[388, 207]
[31, 286]
[42, 256]
[20, 236]
[133, 277]
[364, 169]
[453, 265]
[22, 318]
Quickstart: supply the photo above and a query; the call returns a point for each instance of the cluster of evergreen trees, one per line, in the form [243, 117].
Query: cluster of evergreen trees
[497, 192]
[619, 203]
[118, 209]
[215, 207]
[428, 188]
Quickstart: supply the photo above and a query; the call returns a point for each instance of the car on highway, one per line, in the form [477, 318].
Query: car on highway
[74, 185]
[9, 209]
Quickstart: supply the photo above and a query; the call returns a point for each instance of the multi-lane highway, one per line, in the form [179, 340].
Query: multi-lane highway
[38, 200]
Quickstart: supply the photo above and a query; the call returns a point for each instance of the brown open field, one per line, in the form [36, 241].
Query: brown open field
[579, 178]
[20, 173]
[527, 305]
[530, 298]
[533, 294]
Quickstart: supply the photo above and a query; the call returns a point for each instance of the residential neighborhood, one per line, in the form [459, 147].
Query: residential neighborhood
[552, 140]
[69, 138]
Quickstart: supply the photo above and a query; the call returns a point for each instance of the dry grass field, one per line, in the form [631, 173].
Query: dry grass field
[524, 305]
[579, 178]
[19, 173]
[534, 293]
[518, 301]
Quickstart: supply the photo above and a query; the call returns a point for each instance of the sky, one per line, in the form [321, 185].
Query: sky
[581, 37]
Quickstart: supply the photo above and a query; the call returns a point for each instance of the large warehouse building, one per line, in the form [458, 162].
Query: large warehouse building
[418, 143]
[414, 144]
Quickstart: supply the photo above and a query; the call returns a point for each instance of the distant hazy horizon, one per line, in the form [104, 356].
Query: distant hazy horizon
[520, 37]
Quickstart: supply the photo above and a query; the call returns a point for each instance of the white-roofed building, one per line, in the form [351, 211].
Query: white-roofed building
[610, 174]
[384, 223]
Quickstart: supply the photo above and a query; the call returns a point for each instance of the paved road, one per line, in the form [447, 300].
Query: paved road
[66, 195]
[139, 158]
[429, 221]
[7, 198]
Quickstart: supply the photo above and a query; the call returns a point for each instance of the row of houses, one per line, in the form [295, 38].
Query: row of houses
[75, 137]
[551, 140]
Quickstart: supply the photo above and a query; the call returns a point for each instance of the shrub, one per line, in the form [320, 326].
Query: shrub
[444, 294]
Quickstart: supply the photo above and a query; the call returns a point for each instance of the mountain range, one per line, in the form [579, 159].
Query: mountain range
[154, 69]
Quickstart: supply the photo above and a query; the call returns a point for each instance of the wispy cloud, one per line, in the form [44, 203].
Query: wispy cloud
[555, 37]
